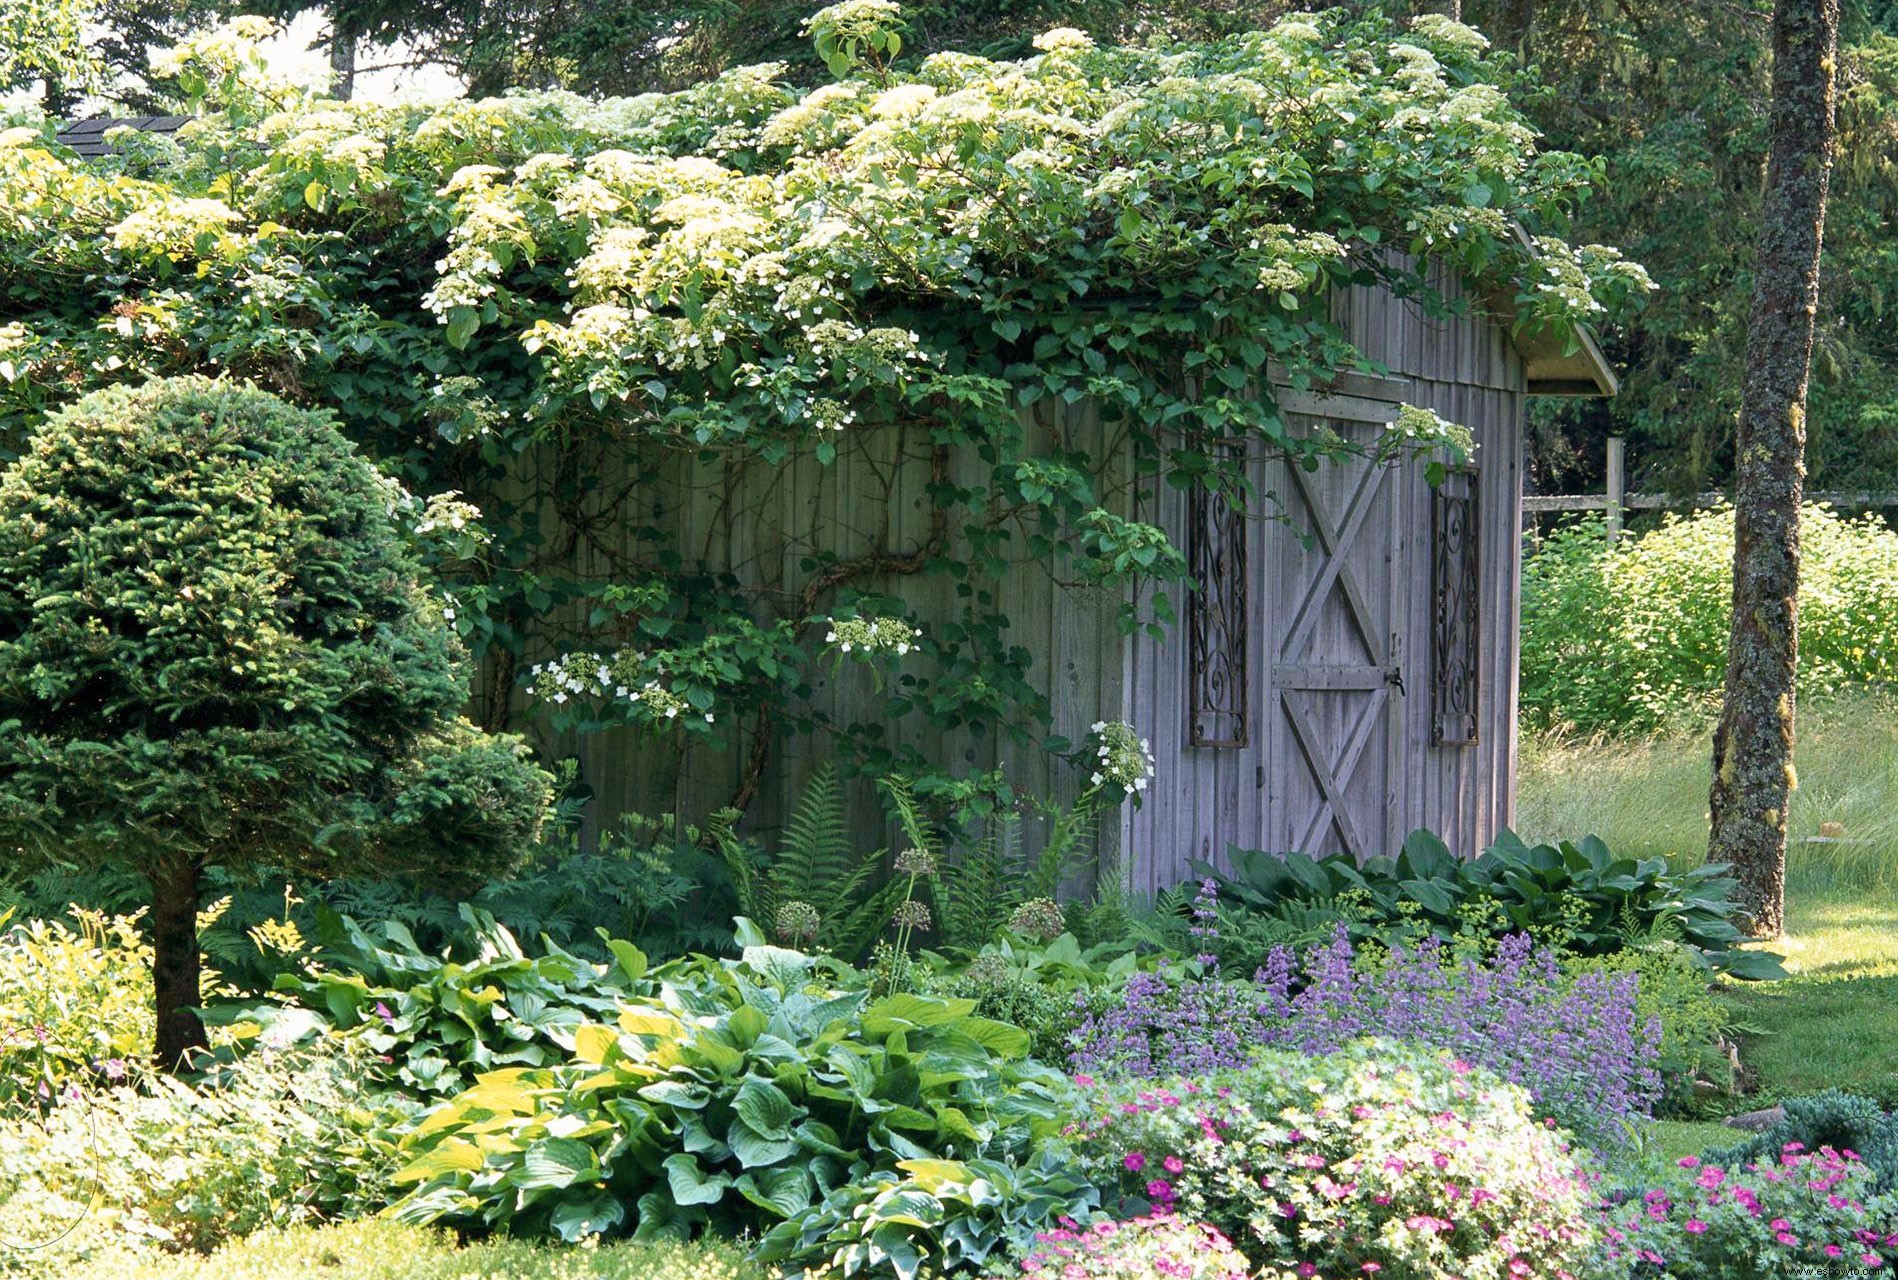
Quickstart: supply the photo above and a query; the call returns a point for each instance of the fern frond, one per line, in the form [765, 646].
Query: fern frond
[815, 851]
[1066, 851]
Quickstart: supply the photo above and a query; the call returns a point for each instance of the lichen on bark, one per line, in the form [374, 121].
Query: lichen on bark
[1753, 745]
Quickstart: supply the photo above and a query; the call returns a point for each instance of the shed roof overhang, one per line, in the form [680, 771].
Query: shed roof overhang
[1549, 367]
[1552, 370]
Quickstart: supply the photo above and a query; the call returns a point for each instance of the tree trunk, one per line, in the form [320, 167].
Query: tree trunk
[176, 964]
[1510, 25]
[342, 65]
[1753, 774]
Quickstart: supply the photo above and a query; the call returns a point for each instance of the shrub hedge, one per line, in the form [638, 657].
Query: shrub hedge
[1633, 634]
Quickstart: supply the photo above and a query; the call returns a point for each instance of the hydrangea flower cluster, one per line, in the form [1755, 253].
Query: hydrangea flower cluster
[1150, 1247]
[1424, 431]
[175, 228]
[1806, 1212]
[1122, 758]
[1575, 1043]
[1378, 1159]
[451, 520]
[598, 678]
[868, 636]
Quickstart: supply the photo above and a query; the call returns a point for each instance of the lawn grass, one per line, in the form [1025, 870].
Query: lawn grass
[1834, 1024]
[1648, 796]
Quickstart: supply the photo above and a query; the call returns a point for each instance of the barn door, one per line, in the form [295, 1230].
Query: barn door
[1335, 703]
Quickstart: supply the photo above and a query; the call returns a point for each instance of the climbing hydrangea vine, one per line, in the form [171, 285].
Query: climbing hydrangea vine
[541, 304]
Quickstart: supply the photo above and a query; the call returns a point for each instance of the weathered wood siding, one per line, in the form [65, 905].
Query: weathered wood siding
[1340, 753]
[771, 527]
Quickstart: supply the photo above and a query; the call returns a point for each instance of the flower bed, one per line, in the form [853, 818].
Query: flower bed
[1573, 1041]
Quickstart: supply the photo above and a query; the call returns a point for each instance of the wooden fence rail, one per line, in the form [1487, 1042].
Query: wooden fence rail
[1616, 501]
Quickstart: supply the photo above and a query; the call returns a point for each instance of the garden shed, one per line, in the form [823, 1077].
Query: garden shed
[1085, 365]
[1344, 673]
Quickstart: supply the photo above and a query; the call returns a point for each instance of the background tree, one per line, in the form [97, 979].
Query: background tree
[1753, 745]
[1674, 101]
[82, 51]
[45, 42]
[214, 649]
[637, 46]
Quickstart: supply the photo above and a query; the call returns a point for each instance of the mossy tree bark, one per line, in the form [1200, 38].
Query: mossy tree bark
[176, 963]
[1753, 776]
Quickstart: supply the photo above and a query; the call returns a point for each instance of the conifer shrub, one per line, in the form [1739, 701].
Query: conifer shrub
[216, 649]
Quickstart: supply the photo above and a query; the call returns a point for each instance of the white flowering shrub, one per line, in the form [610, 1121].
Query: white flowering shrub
[513, 299]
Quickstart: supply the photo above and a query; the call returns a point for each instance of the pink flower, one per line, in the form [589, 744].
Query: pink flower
[1688, 1162]
[1160, 1189]
[1787, 1237]
[1135, 1161]
[1694, 1226]
[1173, 1164]
[1085, 1081]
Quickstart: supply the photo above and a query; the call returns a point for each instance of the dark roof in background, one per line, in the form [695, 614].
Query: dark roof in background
[87, 137]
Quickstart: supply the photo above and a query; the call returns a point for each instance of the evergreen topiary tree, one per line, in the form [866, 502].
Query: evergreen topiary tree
[215, 649]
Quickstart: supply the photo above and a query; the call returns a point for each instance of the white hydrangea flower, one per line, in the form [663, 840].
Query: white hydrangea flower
[1122, 758]
[1064, 40]
[869, 636]
[1447, 30]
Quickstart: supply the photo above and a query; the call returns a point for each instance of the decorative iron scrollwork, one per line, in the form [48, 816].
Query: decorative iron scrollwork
[1217, 621]
[1457, 592]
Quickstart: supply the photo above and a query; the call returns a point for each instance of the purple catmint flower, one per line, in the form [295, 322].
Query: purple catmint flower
[1575, 1043]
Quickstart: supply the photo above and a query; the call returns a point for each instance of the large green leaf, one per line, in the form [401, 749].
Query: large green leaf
[755, 1150]
[690, 1184]
[765, 1109]
[907, 1012]
[557, 1163]
[1002, 1039]
[575, 1218]
[1430, 894]
[784, 1191]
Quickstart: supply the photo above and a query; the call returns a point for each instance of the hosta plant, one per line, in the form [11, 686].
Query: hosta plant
[1375, 1160]
[440, 1021]
[1578, 897]
[741, 1095]
[932, 1216]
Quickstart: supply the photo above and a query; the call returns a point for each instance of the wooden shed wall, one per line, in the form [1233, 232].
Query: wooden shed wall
[1265, 794]
[766, 524]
